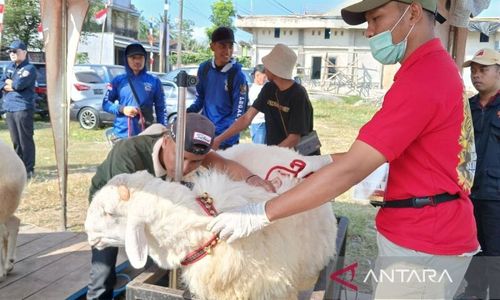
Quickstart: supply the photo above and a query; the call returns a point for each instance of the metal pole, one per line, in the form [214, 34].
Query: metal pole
[64, 45]
[102, 39]
[164, 40]
[182, 83]
[179, 38]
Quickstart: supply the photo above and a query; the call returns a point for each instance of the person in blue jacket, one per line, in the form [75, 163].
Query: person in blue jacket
[132, 96]
[222, 89]
[18, 87]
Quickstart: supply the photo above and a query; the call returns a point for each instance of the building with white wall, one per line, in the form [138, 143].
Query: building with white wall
[324, 41]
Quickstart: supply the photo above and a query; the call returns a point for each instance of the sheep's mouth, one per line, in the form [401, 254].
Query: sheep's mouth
[101, 243]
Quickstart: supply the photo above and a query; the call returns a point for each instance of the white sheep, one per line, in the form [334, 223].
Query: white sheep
[12, 182]
[161, 219]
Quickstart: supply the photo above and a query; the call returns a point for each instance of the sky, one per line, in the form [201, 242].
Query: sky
[199, 11]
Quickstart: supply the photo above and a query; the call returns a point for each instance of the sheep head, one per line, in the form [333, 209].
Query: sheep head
[107, 216]
[117, 216]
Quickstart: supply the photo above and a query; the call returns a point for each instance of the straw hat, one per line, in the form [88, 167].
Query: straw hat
[280, 61]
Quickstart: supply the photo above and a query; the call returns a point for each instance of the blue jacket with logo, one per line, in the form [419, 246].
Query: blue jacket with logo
[487, 138]
[23, 82]
[150, 92]
[214, 101]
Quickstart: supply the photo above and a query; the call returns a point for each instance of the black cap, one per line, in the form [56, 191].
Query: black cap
[135, 49]
[200, 134]
[223, 34]
[17, 44]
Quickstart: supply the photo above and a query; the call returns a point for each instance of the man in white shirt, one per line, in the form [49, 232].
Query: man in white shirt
[258, 125]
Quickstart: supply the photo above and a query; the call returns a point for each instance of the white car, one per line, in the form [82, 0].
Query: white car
[87, 84]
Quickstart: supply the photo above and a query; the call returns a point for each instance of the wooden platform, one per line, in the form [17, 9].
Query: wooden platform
[49, 265]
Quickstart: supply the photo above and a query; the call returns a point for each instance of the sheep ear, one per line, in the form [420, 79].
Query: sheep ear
[136, 244]
[124, 193]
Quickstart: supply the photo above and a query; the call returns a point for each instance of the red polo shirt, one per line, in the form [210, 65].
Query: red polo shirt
[424, 130]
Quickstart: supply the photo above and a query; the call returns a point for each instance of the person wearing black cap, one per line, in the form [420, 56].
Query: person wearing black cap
[424, 130]
[18, 87]
[222, 89]
[156, 154]
[133, 95]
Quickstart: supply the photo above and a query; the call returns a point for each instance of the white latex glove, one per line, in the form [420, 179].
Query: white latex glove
[314, 163]
[239, 222]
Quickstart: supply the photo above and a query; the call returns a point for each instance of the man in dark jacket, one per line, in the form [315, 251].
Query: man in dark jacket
[133, 95]
[484, 271]
[18, 86]
[222, 90]
[155, 153]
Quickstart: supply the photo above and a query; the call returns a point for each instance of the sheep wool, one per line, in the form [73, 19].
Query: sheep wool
[12, 182]
[161, 219]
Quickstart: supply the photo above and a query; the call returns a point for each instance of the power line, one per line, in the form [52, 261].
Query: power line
[244, 10]
[284, 7]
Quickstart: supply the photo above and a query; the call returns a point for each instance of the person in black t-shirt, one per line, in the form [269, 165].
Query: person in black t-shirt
[285, 103]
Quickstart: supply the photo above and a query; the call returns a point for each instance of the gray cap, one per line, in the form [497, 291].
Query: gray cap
[200, 134]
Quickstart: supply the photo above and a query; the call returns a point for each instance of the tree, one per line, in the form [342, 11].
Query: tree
[89, 24]
[21, 20]
[222, 15]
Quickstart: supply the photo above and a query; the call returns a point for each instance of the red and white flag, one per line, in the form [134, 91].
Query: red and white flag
[40, 31]
[100, 16]
[2, 7]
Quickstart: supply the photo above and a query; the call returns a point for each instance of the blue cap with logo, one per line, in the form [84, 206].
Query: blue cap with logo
[17, 44]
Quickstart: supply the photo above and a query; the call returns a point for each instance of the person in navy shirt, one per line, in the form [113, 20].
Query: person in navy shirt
[18, 87]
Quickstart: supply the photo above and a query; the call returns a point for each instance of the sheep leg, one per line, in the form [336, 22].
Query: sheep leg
[12, 230]
[3, 251]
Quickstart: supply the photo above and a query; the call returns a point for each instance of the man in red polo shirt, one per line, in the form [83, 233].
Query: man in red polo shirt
[424, 131]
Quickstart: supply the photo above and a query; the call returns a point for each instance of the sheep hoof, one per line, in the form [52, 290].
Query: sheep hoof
[9, 266]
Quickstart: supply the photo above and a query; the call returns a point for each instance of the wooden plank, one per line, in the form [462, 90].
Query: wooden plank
[39, 245]
[29, 232]
[76, 281]
[35, 262]
[43, 277]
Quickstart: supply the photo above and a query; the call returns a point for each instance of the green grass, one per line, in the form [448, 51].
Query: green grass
[337, 123]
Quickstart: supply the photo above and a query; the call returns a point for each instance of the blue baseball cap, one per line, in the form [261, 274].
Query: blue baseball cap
[17, 44]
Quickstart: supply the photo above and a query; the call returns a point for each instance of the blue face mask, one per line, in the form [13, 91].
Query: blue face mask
[384, 50]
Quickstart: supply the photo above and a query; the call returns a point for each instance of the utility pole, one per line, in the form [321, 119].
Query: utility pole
[179, 38]
[164, 42]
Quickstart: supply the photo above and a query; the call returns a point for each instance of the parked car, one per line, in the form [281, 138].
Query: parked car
[248, 75]
[106, 72]
[89, 113]
[171, 91]
[41, 105]
[87, 84]
[172, 74]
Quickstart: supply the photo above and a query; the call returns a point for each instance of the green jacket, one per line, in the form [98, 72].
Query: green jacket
[127, 156]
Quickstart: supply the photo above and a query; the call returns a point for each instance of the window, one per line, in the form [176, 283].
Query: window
[284, 32]
[313, 32]
[327, 33]
[276, 32]
[483, 38]
[88, 77]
